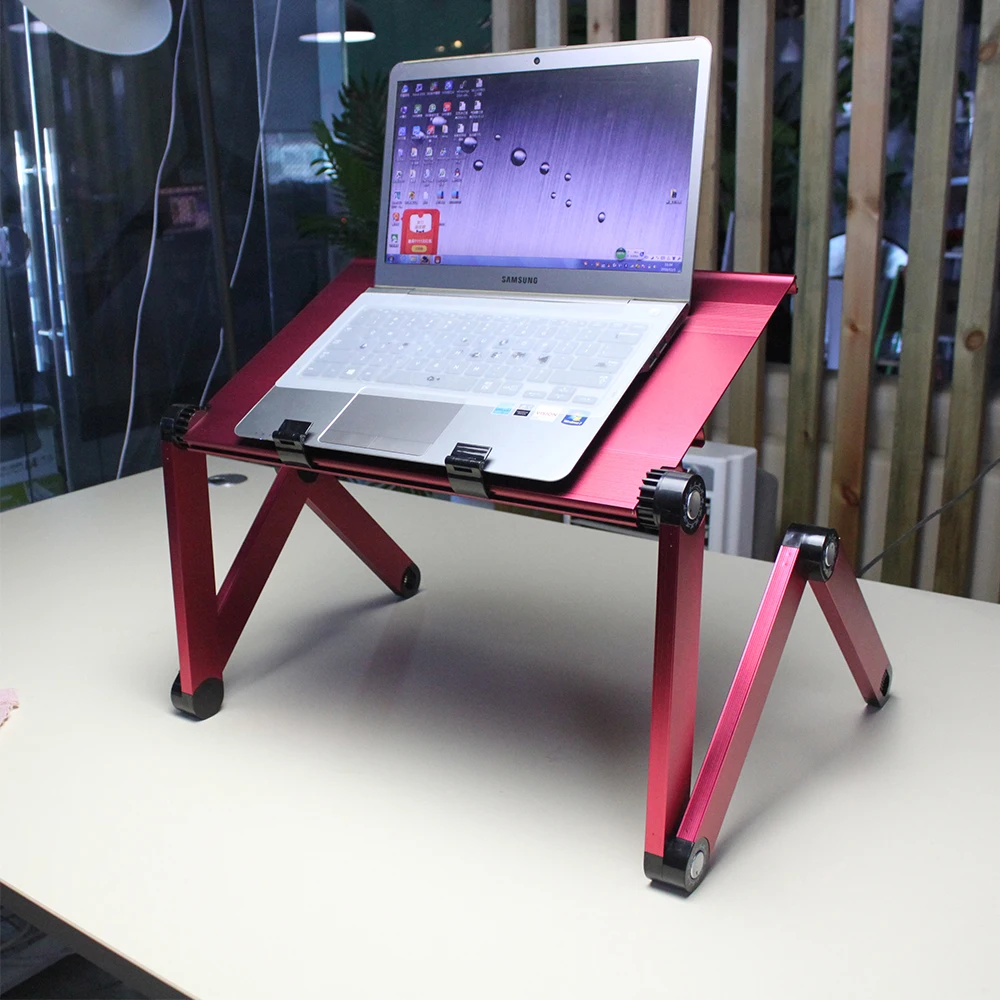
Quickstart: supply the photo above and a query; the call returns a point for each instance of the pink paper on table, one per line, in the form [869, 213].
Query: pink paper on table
[8, 701]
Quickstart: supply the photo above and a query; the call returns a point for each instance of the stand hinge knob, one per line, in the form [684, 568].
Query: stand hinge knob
[671, 496]
[175, 422]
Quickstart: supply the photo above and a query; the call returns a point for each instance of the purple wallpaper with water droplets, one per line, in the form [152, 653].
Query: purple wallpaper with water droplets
[589, 162]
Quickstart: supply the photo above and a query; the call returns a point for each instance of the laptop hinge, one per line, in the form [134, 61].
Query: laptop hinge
[290, 443]
[511, 296]
[465, 467]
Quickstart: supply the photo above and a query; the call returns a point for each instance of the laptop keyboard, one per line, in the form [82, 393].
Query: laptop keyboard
[476, 353]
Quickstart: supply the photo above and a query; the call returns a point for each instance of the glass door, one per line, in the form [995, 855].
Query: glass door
[81, 138]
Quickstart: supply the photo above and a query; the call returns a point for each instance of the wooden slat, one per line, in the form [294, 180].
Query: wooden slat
[752, 229]
[513, 24]
[652, 18]
[812, 243]
[862, 265]
[976, 296]
[922, 308]
[706, 19]
[550, 23]
[603, 20]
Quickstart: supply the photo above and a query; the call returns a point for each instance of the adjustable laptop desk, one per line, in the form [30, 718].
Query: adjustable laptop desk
[631, 476]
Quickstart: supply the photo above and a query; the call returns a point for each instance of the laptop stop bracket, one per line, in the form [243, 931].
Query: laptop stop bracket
[289, 442]
[464, 467]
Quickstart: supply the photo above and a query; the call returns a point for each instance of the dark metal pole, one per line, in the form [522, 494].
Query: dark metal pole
[210, 148]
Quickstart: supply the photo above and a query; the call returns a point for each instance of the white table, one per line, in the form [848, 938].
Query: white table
[444, 796]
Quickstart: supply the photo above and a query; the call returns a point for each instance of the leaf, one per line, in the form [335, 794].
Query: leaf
[352, 160]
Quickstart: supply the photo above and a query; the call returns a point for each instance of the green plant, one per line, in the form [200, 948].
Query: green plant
[352, 161]
[904, 73]
[785, 132]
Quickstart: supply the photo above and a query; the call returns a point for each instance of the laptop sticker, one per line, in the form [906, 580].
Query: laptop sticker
[546, 413]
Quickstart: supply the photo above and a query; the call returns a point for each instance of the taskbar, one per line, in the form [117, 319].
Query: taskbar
[632, 261]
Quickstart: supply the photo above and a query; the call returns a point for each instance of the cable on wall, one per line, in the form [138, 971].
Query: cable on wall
[262, 112]
[152, 242]
[930, 517]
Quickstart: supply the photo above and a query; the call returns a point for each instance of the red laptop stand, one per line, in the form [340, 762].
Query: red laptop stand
[632, 476]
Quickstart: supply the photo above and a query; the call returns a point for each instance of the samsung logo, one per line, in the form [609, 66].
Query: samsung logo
[517, 279]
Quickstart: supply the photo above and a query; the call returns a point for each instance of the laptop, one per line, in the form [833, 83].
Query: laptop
[535, 253]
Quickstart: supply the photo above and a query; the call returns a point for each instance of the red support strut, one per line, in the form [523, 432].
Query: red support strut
[675, 680]
[808, 554]
[209, 624]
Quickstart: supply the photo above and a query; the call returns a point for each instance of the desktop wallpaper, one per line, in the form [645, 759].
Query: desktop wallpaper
[583, 167]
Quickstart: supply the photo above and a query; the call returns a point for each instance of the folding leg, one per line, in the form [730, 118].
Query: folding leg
[807, 554]
[209, 624]
[674, 503]
[675, 684]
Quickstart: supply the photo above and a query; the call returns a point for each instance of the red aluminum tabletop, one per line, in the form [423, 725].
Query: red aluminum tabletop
[654, 427]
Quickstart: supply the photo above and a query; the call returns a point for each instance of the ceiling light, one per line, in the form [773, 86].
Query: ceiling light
[359, 28]
[36, 27]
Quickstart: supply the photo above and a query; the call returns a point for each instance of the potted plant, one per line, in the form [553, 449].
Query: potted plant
[352, 161]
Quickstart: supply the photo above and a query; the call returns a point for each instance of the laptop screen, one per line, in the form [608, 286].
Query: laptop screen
[584, 168]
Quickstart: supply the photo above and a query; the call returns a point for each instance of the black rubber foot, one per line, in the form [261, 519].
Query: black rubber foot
[883, 691]
[683, 867]
[204, 703]
[410, 583]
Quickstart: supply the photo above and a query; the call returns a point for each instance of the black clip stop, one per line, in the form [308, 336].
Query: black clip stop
[465, 467]
[290, 443]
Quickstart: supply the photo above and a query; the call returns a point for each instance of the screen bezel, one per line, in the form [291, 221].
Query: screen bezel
[554, 281]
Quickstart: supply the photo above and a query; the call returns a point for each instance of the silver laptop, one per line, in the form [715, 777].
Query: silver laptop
[535, 253]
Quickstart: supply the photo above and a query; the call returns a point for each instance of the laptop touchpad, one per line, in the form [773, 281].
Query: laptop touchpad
[401, 426]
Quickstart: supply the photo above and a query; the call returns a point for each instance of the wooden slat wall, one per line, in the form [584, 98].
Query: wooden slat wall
[862, 265]
[976, 296]
[550, 23]
[513, 24]
[603, 20]
[931, 192]
[812, 242]
[752, 230]
[652, 18]
[705, 18]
